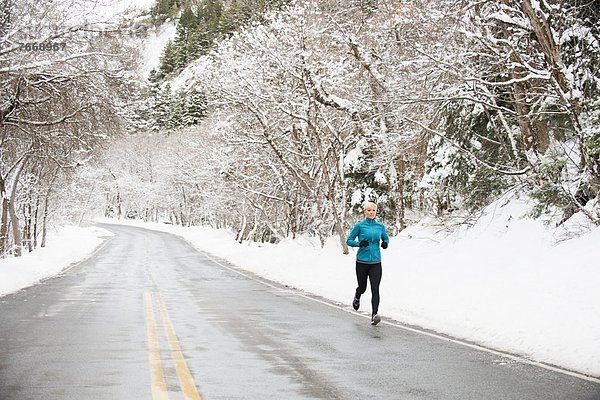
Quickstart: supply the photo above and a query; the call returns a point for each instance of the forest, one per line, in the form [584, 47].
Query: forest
[280, 118]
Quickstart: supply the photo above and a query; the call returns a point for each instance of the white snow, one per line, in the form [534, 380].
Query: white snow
[380, 178]
[354, 160]
[190, 76]
[65, 246]
[357, 198]
[505, 283]
[520, 22]
[154, 45]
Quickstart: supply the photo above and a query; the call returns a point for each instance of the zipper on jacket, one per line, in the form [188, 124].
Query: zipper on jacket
[371, 246]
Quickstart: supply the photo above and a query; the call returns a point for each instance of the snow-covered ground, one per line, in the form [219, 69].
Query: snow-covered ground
[506, 282]
[65, 247]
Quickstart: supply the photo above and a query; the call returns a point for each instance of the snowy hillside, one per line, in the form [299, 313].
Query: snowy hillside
[152, 47]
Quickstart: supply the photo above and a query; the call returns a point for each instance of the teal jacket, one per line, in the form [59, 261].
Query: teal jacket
[373, 231]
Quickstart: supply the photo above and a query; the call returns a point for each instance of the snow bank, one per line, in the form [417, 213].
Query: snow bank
[65, 246]
[503, 283]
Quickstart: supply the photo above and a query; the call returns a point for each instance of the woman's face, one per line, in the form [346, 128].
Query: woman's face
[370, 211]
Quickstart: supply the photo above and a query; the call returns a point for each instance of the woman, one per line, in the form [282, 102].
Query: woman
[370, 234]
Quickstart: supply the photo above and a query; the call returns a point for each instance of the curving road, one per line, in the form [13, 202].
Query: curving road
[149, 317]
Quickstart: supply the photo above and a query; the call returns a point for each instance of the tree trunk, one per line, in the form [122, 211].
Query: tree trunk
[251, 237]
[543, 33]
[184, 208]
[331, 184]
[28, 231]
[242, 231]
[342, 235]
[544, 36]
[4, 227]
[401, 168]
[87, 202]
[16, 229]
[35, 223]
[119, 209]
[44, 221]
[534, 133]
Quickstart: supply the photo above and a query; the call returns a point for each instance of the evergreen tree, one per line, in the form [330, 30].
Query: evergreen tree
[165, 109]
[463, 168]
[242, 12]
[196, 45]
[168, 60]
[161, 8]
[196, 32]
[367, 181]
[161, 107]
[176, 109]
[185, 28]
[194, 108]
[164, 9]
[211, 12]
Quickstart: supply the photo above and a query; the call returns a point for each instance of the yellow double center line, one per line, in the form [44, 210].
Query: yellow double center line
[157, 376]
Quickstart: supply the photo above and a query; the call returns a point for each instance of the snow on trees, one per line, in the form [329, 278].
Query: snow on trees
[433, 106]
[59, 102]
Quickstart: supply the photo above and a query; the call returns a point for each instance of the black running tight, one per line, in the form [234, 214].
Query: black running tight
[373, 272]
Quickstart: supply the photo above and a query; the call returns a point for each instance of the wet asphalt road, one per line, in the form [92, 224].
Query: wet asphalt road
[149, 317]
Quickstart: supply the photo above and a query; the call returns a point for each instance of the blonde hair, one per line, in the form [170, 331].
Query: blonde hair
[367, 204]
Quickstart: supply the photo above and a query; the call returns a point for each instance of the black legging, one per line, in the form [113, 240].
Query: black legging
[373, 271]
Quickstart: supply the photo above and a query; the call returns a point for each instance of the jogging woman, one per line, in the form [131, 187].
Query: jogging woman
[368, 235]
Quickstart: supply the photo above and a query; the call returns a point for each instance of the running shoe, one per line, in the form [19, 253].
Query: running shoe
[375, 319]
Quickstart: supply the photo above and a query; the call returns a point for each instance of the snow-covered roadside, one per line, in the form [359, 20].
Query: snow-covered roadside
[65, 246]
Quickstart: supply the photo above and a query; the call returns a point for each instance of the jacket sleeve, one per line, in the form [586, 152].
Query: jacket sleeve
[351, 240]
[384, 235]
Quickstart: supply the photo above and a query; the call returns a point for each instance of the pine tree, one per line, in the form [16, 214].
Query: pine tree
[185, 28]
[176, 110]
[194, 108]
[161, 106]
[210, 15]
[164, 9]
[168, 60]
